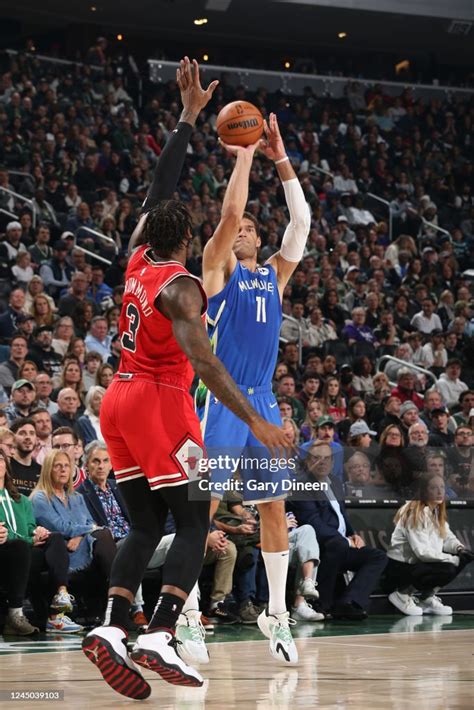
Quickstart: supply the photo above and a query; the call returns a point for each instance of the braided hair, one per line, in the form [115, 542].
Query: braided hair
[168, 227]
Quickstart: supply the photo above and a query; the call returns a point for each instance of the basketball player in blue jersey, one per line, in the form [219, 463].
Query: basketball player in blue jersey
[244, 318]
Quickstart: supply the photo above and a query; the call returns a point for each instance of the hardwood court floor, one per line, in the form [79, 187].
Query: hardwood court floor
[406, 664]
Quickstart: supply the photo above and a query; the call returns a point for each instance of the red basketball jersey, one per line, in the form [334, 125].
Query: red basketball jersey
[146, 335]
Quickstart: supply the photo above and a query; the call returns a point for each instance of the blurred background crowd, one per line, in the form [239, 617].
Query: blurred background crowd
[377, 341]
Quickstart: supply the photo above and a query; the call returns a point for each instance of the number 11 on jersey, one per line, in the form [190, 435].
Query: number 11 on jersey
[261, 309]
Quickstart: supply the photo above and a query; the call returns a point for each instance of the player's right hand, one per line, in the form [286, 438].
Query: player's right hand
[273, 437]
[273, 147]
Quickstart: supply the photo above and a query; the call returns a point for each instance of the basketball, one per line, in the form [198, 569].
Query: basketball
[239, 123]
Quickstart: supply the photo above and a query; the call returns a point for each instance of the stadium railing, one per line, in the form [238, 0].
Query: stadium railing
[434, 226]
[300, 336]
[20, 173]
[162, 71]
[26, 200]
[100, 236]
[53, 60]
[403, 363]
[9, 214]
[93, 255]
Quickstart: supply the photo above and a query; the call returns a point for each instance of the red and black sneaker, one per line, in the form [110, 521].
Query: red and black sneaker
[106, 648]
[157, 652]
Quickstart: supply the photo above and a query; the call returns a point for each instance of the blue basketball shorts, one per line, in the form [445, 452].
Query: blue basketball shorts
[237, 461]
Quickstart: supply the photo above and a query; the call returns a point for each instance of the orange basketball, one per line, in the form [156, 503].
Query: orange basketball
[239, 123]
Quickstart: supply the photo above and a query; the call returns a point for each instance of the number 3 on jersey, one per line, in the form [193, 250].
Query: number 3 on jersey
[129, 337]
[261, 309]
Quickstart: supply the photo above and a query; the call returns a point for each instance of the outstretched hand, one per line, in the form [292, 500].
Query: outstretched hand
[272, 146]
[193, 96]
[245, 149]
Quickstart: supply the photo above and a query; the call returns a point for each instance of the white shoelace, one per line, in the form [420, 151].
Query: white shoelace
[283, 629]
[198, 632]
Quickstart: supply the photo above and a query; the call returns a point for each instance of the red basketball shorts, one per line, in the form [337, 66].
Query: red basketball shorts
[151, 430]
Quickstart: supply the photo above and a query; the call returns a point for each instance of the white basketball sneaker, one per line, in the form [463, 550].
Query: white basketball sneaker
[405, 603]
[157, 652]
[190, 635]
[308, 588]
[276, 627]
[106, 648]
[434, 605]
[303, 612]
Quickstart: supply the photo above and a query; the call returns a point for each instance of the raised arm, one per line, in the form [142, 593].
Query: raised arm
[219, 260]
[293, 244]
[181, 302]
[171, 160]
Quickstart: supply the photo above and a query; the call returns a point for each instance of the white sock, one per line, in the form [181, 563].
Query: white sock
[276, 567]
[192, 602]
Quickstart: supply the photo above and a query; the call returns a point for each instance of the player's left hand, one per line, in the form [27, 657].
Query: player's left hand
[193, 96]
[272, 145]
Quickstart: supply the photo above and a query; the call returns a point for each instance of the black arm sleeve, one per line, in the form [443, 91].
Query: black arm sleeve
[169, 167]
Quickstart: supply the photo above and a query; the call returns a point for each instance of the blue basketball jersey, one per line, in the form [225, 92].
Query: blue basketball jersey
[243, 322]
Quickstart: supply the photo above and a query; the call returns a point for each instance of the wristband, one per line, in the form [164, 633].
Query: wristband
[282, 160]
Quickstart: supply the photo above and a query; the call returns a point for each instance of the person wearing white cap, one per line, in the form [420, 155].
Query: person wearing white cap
[22, 398]
[359, 435]
[347, 235]
[12, 243]
[361, 428]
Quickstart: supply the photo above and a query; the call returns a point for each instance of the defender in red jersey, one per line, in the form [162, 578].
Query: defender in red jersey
[150, 393]
[150, 426]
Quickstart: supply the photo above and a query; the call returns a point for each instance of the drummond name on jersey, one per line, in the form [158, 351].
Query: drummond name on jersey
[135, 287]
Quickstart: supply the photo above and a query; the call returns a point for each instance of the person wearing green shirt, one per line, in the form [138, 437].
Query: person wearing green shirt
[25, 550]
[15, 551]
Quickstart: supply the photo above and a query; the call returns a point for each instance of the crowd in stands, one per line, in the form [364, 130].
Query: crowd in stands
[76, 146]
